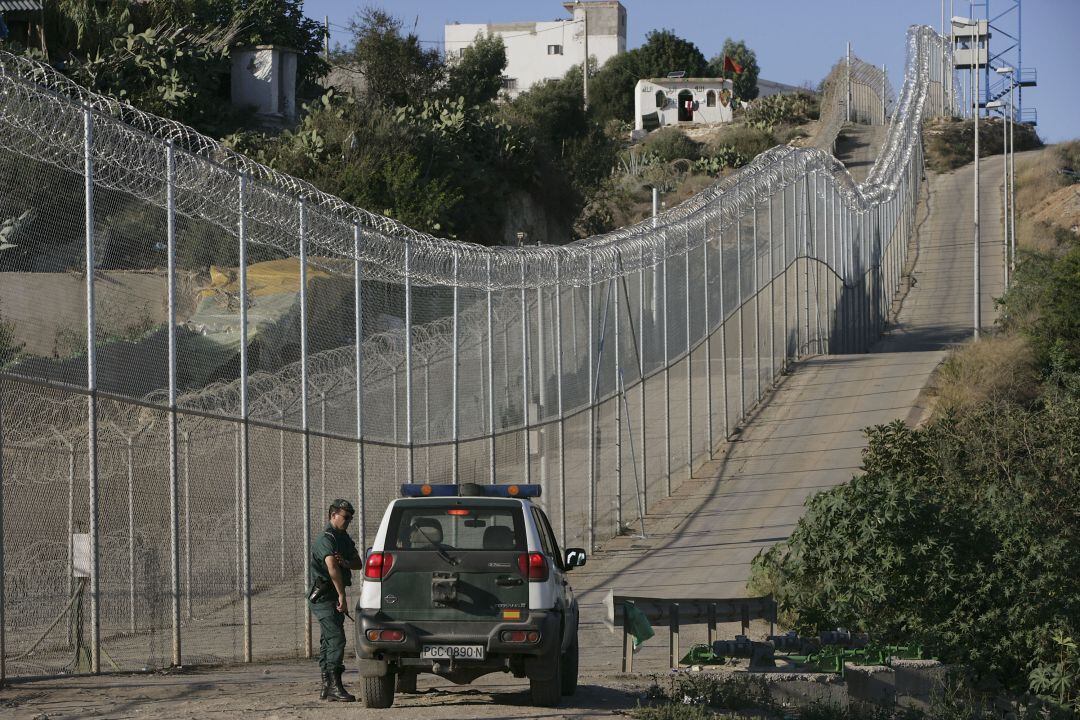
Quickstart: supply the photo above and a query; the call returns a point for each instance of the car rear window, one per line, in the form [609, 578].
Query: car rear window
[457, 527]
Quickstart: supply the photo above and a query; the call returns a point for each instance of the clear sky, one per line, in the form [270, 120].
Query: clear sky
[796, 41]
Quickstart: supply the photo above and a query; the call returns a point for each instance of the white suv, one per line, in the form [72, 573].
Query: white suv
[462, 581]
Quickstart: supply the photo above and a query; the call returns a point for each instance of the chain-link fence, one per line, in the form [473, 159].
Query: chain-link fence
[213, 352]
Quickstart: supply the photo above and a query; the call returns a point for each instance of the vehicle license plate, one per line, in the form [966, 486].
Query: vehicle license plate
[456, 652]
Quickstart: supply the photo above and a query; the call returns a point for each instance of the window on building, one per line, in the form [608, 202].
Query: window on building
[509, 83]
[710, 101]
[661, 99]
[554, 49]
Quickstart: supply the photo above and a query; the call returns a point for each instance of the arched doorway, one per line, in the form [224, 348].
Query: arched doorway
[686, 106]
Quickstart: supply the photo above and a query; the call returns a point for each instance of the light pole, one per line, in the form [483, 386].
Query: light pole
[974, 65]
[1009, 118]
[1002, 105]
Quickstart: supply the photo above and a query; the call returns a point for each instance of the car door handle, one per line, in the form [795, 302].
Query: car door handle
[507, 581]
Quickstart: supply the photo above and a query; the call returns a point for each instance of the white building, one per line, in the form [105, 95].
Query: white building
[537, 51]
[264, 77]
[673, 101]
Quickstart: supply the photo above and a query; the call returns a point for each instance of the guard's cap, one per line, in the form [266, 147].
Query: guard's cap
[340, 504]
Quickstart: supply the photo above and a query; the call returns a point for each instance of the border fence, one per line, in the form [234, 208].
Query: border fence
[220, 350]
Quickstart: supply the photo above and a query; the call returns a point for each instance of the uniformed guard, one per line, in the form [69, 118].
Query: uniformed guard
[333, 558]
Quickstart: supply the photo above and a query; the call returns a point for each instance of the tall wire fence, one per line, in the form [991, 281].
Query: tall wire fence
[219, 350]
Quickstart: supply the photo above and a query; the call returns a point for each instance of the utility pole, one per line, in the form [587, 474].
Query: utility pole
[326, 37]
[585, 61]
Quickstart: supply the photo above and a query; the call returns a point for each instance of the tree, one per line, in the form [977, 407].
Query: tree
[477, 75]
[611, 91]
[745, 82]
[665, 52]
[397, 71]
[258, 22]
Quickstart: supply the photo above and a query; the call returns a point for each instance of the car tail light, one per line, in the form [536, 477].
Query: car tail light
[378, 565]
[520, 636]
[385, 635]
[533, 566]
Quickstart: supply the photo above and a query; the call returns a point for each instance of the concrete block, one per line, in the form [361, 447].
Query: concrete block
[873, 684]
[803, 688]
[917, 680]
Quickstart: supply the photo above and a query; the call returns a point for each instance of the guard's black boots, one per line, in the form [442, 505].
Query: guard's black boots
[337, 692]
[327, 683]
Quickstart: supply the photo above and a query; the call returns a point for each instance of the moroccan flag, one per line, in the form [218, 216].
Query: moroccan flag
[731, 66]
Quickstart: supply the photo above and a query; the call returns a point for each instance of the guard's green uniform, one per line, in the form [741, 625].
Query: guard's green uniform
[331, 622]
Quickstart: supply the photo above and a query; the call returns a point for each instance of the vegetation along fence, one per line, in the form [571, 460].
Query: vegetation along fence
[220, 350]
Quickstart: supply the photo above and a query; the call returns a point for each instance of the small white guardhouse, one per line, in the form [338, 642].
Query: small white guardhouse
[671, 101]
[264, 77]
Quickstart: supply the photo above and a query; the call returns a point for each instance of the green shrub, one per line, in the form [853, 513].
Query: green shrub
[960, 536]
[670, 143]
[768, 112]
[1069, 153]
[746, 142]
[1044, 304]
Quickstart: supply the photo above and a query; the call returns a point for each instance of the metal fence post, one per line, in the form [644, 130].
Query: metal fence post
[723, 319]
[304, 429]
[91, 386]
[129, 457]
[592, 413]
[739, 305]
[490, 374]
[640, 339]
[322, 448]
[708, 341]
[689, 365]
[525, 397]
[772, 297]
[187, 524]
[245, 465]
[281, 496]
[620, 391]
[541, 391]
[784, 264]
[358, 350]
[806, 230]
[667, 373]
[757, 305]
[174, 468]
[455, 430]
[559, 398]
[3, 617]
[408, 362]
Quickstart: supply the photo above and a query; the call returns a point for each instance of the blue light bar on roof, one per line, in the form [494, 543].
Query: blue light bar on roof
[470, 490]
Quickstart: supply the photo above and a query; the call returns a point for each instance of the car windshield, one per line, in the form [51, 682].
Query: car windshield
[457, 527]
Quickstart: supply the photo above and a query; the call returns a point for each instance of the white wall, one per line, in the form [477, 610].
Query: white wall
[527, 44]
[264, 77]
[645, 101]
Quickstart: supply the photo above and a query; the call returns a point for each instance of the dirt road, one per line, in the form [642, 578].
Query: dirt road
[289, 690]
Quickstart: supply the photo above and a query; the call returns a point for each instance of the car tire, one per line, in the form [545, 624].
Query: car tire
[568, 670]
[406, 682]
[547, 692]
[378, 692]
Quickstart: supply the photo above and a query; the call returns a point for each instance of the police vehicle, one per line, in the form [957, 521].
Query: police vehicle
[462, 581]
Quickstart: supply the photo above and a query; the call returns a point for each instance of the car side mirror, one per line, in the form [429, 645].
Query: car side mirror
[575, 557]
